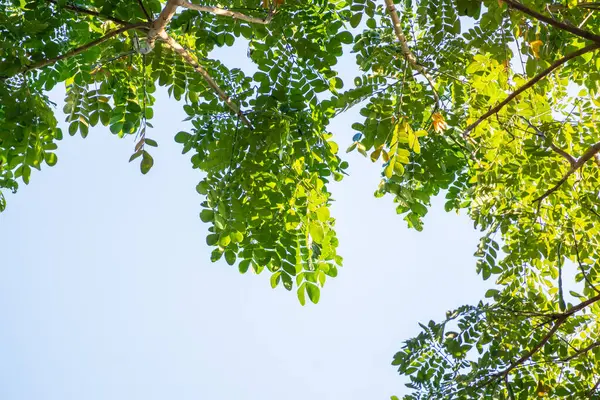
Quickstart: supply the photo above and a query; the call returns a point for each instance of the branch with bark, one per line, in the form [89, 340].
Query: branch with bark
[582, 351]
[408, 54]
[157, 31]
[190, 59]
[560, 320]
[589, 153]
[86, 11]
[551, 21]
[554, 147]
[160, 23]
[229, 13]
[530, 84]
[79, 50]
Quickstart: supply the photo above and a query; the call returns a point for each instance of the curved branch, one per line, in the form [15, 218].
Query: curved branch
[530, 83]
[189, 58]
[82, 10]
[229, 13]
[81, 49]
[561, 320]
[590, 153]
[557, 24]
[408, 54]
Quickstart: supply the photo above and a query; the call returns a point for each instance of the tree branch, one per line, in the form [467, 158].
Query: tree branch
[557, 24]
[229, 13]
[554, 147]
[408, 54]
[189, 58]
[81, 49]
[82, 10]
[561, 320]
[148, 17]
[529, 84]
[590, 153]
[160, 23]
[582, 351]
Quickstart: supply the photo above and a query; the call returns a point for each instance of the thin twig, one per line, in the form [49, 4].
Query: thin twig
[408, 54]
[190, 59]
[557, 24]
[229, 13]
[82, 10]
[81, 49]
[530, 83]
[146, 13]
[589, 153]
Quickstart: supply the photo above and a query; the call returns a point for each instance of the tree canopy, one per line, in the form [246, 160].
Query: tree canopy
[492, 104]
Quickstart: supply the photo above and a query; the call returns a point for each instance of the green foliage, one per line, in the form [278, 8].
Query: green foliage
[493, 104]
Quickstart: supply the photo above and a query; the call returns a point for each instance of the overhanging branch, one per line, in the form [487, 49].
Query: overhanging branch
[408, 54]
[551, 21]
[81, 49]
[559, 321]
[530, 84]
[82, 10]
[160, 23]
[554, 147]
[589, 153]
[190, 59]
[229, 13]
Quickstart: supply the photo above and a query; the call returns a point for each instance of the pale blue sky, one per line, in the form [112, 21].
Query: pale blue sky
[107, 291]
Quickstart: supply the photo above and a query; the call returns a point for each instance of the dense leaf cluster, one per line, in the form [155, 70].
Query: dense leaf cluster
[492, 104]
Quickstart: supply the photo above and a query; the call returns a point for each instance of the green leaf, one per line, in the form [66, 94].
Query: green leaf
[301, 292]
[212, 239]
[230, 257]
[313, 292]
[151, 142]
[207, 215]
[316, 232]
[147, 162]
[50, 159]
[275, 278]
[323, 214]
[182, 137]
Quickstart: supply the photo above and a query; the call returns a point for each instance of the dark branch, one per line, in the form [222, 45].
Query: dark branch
[148, 16]
[590, 153]
[82, 10]
[557, 24]
[81, 49]
[554, 147]
[559, 321]
[582, 351]
[531, 83]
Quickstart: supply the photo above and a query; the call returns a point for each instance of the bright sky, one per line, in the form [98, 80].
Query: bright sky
[107, 291]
